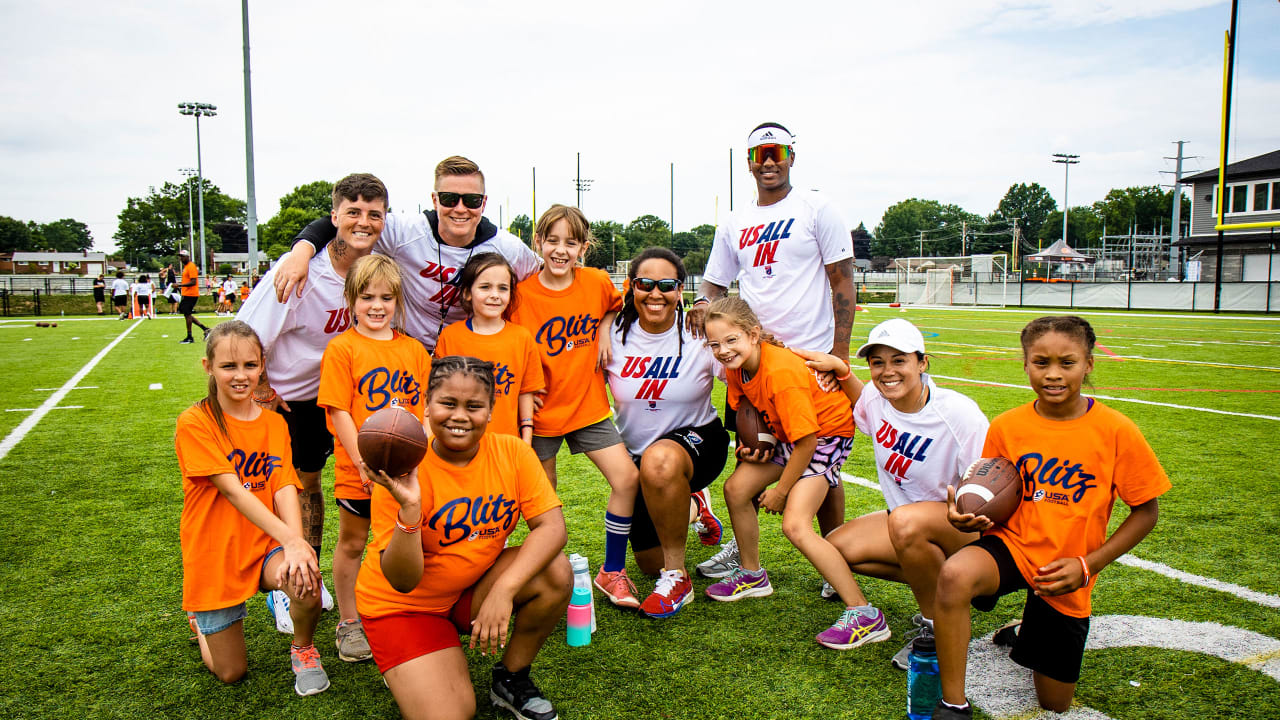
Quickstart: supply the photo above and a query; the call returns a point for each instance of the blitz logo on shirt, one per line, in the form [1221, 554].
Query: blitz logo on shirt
[448, 278]
[381, 386]
[253, 466]
[503, 378]
[656, 371]
[337, 321]
[1053, 480]
[476, 518]
[765, 238]
[905, 447]
[566, 333]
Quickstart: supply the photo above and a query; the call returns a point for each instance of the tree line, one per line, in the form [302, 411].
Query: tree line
[66, 235]
[156, 225]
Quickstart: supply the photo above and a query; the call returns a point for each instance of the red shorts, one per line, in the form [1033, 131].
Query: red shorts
[400, 637]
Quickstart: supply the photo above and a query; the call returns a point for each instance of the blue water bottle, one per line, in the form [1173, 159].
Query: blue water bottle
[923, 687]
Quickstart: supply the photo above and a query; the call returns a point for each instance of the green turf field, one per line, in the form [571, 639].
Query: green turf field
[91, 625]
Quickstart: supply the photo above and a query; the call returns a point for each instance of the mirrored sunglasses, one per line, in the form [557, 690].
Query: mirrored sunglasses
[648, 284]
[450, 199]
[761, 153]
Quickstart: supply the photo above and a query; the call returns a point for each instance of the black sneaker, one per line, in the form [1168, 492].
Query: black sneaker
[517, 693]
[206, 333]
[942, 712]
[1007, 635]
[186, 341]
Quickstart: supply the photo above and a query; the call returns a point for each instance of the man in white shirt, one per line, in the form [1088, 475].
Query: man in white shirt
[296, 332]
[431, 249]
[792, 256]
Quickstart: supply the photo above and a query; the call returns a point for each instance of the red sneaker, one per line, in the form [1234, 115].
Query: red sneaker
[673, 591]
[618, 588]
[710, 529]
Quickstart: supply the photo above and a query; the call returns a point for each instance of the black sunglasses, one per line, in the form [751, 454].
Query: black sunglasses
[450, 199]
[648, 284]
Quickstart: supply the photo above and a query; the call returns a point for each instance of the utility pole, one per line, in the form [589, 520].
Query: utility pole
[191, 213]
[248, 148]
[582, 185]
[730, 179]
[1066, 161]
[921, 243]
[1175, 232]
[964, 228]
[673, 203]
[1013, 250]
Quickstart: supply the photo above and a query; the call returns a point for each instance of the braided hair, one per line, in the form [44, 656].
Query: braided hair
[629, 314]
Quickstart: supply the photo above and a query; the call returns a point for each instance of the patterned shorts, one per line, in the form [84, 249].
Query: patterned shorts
[827, 458]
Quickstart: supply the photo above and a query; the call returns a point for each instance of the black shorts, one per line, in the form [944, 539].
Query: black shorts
[188, 304]
[1049, 642]
[308, 436]
[120, 300]
[144, 301]
[99, 294]
[359, 508]
[708, 448]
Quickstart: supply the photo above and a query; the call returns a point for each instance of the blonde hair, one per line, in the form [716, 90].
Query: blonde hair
[579, 227]
[367, 271]
[230, 329]
[735, 311]
[457, 165]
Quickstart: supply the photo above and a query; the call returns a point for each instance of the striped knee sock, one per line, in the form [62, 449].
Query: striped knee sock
[616, 531]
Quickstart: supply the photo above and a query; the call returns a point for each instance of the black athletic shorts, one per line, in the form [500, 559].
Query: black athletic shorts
[188, 304]
[120, 300]
[708, 448]
[144, 301]
[359, 508]
[308, 436]
[1049, 642]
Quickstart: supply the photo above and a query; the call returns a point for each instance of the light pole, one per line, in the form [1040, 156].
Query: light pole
[1066, 161]
[199, 110]
[191, 219]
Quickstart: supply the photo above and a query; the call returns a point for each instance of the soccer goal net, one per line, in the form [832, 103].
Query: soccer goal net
[960, 280]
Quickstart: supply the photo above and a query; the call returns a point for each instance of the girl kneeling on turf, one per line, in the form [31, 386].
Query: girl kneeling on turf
[1075, 456]
[370, 366]
[489, 297]
[437, 566]
[241, 523]
[924, 438]
[568, 309]
[815, 433]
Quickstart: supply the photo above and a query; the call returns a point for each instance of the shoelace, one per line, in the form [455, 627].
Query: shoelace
[307, 657]
[727, 550]
[622, 577]
[667, 582]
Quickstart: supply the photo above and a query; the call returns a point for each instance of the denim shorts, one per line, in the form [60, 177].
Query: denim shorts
[215, 621]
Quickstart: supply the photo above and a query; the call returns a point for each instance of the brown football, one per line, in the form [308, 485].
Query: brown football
[392, 440]
[991, 487]
[753, 431]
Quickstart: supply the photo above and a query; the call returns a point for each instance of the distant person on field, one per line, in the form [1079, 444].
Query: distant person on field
[792, 256]
[229, 289]
[169, 286]
[295, 334]
[142, 294]
[190, 287]
[925, 438]
[1075, 456]
[120, 294]
[99, 292]
[431, 249]
[241, 530]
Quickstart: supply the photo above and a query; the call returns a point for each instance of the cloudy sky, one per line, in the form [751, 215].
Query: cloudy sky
[953, 101]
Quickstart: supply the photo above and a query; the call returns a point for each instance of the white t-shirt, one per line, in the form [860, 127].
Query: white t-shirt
[142, 288]
[431, 271]
[778, 254]
[659, 386]
[919, 454]
[295, 333]
[119, 286]
[229, 287]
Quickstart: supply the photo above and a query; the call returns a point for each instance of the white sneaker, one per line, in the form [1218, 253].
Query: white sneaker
[722, 563]
[278, 605]
[326, 600]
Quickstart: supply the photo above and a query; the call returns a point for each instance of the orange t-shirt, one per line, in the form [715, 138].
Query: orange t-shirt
[517, 367]
[566, 326]
[222, 551]
[1072, 471]
[190, 272]
[244, 292]
[361, 376]
[788, 396]
[468, 512]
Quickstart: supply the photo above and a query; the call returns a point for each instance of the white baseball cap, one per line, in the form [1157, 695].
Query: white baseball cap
[184, 253]
[769, 135]
[896, 333]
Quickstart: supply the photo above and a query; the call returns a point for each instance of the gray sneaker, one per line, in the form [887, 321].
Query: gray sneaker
[353, 644]
[723, 562]
[828, 593]
[309, 676]
[900, 660]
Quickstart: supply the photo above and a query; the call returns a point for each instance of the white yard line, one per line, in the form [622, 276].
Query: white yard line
[1239, 591]
[15, 436]
[1118, 399]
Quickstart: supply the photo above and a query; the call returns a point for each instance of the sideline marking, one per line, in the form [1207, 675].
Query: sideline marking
[60, 407]
[15, 436]
[1117, 399]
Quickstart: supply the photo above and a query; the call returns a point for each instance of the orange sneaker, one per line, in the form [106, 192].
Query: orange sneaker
[618, 588]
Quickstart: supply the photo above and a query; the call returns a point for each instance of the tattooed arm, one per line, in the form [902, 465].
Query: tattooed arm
[844, 301]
